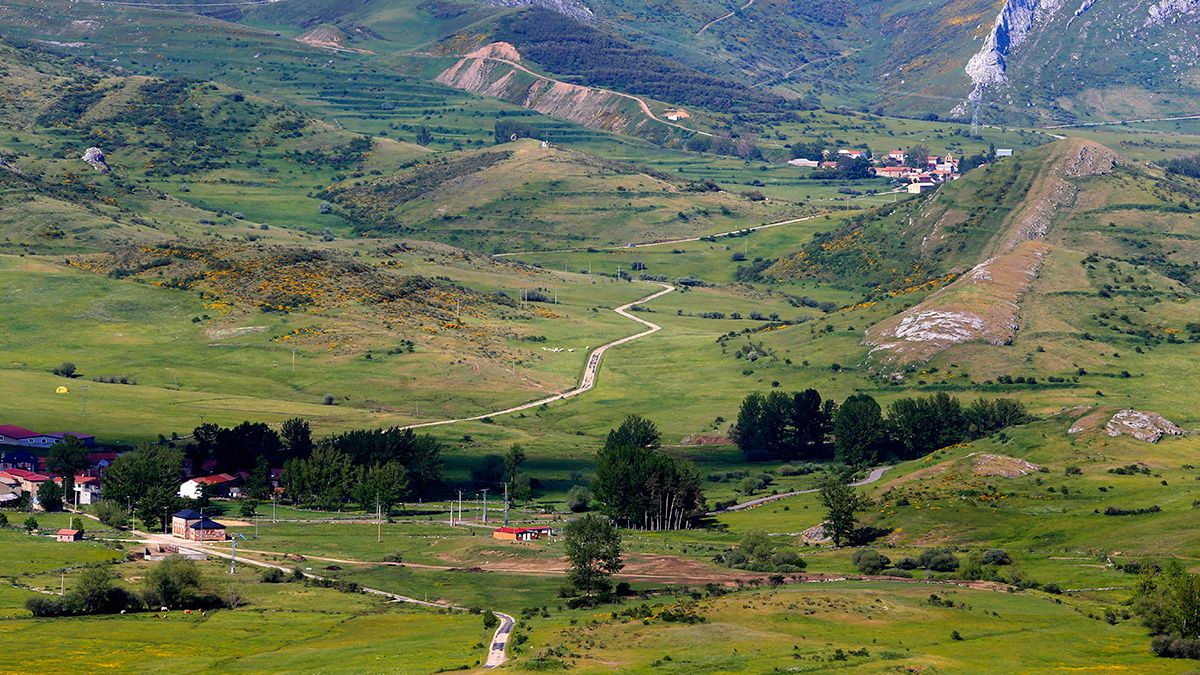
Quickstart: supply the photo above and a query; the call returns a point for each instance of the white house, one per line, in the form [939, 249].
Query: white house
[1004, 152]
[87, 490]
[800, 161]
[218, 486]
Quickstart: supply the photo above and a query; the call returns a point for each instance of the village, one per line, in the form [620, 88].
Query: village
[24, 474]
[910, 173]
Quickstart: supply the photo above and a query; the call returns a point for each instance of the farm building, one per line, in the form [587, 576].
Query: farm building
[920, 187]
[218, 485]
[10, 434]
[88, 440]
[87, 490]
[522, 533]
[189, 524]
[27, 481]
[514, 534]
[68, 535]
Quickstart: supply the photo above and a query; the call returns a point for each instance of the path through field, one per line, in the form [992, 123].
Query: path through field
[589, 371]
[722, 18]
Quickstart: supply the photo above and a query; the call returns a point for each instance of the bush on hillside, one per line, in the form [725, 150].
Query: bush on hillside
[870, 561]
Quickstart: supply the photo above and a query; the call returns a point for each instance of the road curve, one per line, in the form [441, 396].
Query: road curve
[875, 475]
[589, 371]
[719, 19]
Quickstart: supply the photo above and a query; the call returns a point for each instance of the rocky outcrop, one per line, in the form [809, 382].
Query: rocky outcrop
[1168, 11]
[1144, 426]
[95, 157]
[989, 67]
[572, 8]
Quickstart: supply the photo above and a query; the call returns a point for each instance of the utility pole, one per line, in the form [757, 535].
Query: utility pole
[378, 522]
[293, 360]
[273, 508]
[484, 492]
[62, 584]
[256, 526]
[460, 518]
[506, 504]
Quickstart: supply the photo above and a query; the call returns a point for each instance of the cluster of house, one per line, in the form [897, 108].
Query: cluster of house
[522, 533]
[23, 472]
[936, 169]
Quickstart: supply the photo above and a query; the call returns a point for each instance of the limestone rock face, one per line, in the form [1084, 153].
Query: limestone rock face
[95, 157]
[1144, 426]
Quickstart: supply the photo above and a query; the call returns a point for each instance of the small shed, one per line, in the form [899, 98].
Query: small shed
[68, 535]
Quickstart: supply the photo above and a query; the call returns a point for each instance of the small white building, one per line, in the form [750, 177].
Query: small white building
[87, 490]
[920, 187]
[809, 163]
[1004, 152]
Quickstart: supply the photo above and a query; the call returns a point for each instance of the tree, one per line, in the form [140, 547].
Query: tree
[921, 425]
[842, 502]
[423, 135]
[385, 485]
[859, 430]
[917, 156]
[112, 514]
[296, 435]
[66, 458]
[65, 369]
[513, 459]
[578, 498]
[635, 431]
[641, 487]
[148, 478]
[50, 496]
[31, 524]
[507, 131]
[93, 593]
[779, 426]
[322, 481]
[173, 583]
[258, 485]
[593, 547]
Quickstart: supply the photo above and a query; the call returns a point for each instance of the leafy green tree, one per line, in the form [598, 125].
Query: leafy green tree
[147, 477]
[641, 487]
[917, 156]
[385, 485]
[420, 454]
[636, 432]
[985, 416]
[859, 429]
[93, 592]
[172, 583]
[50, 496]
[112, 514]
[593, 548]
[424, 137]
[507, 131]
[258, 485]
[66, 458]
[842, 504]
[31, 524]
[513, 459]
[322, 481]
[296, 435]
[922, 425]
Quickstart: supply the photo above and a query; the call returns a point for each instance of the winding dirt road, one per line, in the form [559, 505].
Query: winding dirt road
[719, 19]
[589, 371]
[875, 475]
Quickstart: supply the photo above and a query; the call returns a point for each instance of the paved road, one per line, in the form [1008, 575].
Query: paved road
[589, 372]
[875, 475]
[1075, 125]
[666, 242]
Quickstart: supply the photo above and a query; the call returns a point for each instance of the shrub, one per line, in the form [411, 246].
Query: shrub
[996, 556]
[938, 560]
[329, 399]
[1118, 511]
[907, 563]
[393, 558]
[3, 520]
[1052, 588]
[44, 606]
[65, 369]
[174, 583]
[490, 620]
[111, 514]
[1176, 647]
[272, 575]
[870, 561]
[31, 524]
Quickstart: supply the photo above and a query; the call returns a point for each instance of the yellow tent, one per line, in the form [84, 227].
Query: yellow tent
[62, 390]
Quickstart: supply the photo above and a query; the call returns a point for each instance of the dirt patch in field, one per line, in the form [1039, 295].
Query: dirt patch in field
[987, 464]
[1090, 422]
[496, 50]
[234, 523]
[696, 439]
[221, 333]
